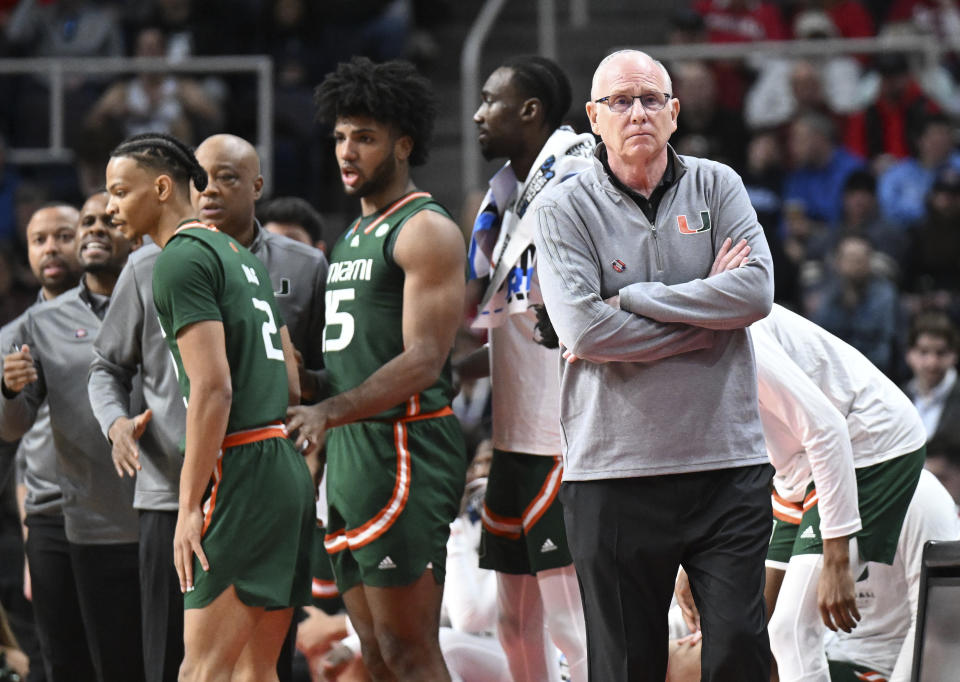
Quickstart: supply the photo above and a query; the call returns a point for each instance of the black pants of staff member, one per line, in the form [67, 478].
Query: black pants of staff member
[163, 603]
[56, 607]
[160, 597]
[629, 535]
[108, 586]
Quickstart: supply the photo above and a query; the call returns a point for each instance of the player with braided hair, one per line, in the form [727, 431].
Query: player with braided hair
[396, 460]
[246, 498]
[131, 343]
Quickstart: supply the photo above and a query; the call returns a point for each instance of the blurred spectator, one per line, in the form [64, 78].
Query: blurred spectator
[703, 128]
[820, 169]
[932, 76]
[294, 218]
[686, 26]
[895, 113]
[800, 233]
[741, 21]
[786, 87]
[861, 218]
[65, 28]
[932, 357]
[935, 262]
[156, 102]
[763, 179]
[851, 17]
[859, 306]
[940, 18]
[903, 187]
[738, 21]
[9, 181]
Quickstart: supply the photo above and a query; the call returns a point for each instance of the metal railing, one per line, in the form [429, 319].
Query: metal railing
[469, 92]
[54, 71]
[929, 49]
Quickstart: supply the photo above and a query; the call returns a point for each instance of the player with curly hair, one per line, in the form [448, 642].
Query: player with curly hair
[395, 454]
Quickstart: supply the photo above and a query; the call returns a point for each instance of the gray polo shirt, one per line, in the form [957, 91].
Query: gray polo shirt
[667, 383]
[97, 504]
[130, 341]
[36, 456]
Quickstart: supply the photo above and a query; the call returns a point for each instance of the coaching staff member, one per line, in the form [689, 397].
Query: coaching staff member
[664, 454]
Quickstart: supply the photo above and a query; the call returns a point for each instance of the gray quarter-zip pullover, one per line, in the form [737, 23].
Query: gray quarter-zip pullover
[36, 456]
[97, 504]
[666, 384]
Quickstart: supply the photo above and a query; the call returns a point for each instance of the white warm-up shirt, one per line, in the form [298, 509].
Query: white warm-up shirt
[526, 389]
[524, 375]
[826, 410]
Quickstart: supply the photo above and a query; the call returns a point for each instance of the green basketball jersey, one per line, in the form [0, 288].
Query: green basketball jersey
[364, 306]
[204, 274]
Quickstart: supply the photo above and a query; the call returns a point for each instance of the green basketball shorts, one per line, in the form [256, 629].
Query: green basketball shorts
[884, 492]
[844, 671]
[394, 488]
[523, 531]
[259, 518]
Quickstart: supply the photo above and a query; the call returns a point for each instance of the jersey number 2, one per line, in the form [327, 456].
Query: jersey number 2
[269, 329]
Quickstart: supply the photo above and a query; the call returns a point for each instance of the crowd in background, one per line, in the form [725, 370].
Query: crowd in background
[850, 161]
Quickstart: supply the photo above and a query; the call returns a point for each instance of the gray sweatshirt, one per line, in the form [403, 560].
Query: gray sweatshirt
[97, 504]
[666, 384]
[36, 456]
[130, 340]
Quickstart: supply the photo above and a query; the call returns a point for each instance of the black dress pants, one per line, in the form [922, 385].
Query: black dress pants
[108, 588]
[56, 607]
[629, 535]
[160, 597]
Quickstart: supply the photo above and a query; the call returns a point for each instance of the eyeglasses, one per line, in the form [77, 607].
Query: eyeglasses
[650, 101]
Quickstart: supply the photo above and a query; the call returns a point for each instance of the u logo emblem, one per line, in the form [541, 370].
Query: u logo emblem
[684, 227]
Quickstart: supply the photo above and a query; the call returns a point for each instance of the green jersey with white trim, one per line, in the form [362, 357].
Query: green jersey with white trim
[364, 306]
[203, 274]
